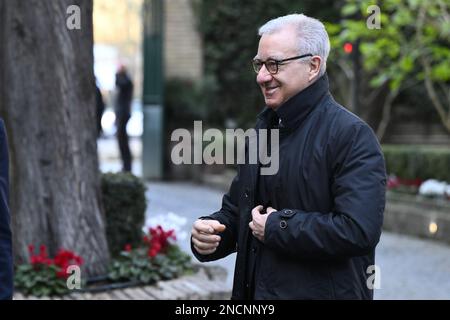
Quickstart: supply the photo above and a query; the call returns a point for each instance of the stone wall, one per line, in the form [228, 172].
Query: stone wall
[182, 43]
[417, 133]
[415, 216]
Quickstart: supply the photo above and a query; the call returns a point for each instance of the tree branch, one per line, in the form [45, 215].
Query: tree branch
[444, 13]
[386, 117]
[424, 61]
[374, 94]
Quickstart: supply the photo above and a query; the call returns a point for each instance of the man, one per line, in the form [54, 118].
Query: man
[310, 230]
[6, 264]
[123, 113]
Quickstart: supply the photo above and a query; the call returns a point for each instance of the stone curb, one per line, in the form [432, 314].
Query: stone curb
[415, 219]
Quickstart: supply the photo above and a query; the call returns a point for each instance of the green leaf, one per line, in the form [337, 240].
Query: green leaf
[332, 28]
[145, 277]
[46, 291]
[349, 9]
[407, 64]
[440, 53]
[396, 82]
[414, 4]
[402, 18]
[123, 270]
[379, 80]
[134, 271]
[441, 71]
[113, 275]
[445, 29]
[430, 32]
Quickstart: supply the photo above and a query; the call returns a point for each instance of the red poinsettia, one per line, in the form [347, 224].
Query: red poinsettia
[158, 240]
[62, 260]
[395, 182]
[40, 259]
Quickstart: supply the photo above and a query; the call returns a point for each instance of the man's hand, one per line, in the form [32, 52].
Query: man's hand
[204, 235]
[258, 224]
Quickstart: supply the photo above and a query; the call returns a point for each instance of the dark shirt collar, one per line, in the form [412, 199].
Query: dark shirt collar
[297, 108]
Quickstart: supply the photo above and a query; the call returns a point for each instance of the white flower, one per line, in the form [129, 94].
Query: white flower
[167, 222]
[434, 187]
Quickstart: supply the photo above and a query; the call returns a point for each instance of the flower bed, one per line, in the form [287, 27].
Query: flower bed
[44, 276]
[429, 188]
[418, 208]
[156, 258]
[206, 283]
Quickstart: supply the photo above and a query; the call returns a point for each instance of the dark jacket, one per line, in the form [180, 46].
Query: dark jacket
[124, 96]
[330, 196]
[6, 261]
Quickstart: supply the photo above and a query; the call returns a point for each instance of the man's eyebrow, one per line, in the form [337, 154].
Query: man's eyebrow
[276, 57]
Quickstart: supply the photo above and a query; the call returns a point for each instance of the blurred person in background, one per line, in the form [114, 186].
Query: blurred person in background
[100, 108]
[6, 259]
[123, 113]
[310, 230]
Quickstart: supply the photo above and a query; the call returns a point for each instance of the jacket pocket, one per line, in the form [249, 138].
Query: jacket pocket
[281, 277]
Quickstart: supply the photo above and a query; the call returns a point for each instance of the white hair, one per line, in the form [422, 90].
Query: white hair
[312, 36]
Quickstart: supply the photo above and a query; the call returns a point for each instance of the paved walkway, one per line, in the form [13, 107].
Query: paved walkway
[413, 268]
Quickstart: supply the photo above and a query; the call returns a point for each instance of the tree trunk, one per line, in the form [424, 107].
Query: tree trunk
[444, 114]
[48, 103]
[386, 116]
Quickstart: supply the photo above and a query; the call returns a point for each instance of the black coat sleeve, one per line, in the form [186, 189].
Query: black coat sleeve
[6, 260]
[353, 228]
[227, 215]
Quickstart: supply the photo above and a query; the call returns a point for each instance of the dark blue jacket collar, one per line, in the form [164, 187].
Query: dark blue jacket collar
[297, 108]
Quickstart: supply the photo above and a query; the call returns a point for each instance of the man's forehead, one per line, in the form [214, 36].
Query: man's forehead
[278, 44]
[275, 52]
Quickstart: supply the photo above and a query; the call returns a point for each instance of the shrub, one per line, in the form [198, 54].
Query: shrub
[124, 204]
[43, 276]
[229, 34]
[187, 100]
[156, 258]
[418, 162]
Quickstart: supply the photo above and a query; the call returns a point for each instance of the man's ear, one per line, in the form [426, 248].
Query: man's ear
[314, 67]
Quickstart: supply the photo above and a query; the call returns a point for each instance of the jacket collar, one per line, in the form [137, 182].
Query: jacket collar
[297, 108]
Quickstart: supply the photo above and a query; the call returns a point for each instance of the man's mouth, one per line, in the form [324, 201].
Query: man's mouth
[270, 90]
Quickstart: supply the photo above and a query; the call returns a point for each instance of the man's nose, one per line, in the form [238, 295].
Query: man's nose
[263, 75]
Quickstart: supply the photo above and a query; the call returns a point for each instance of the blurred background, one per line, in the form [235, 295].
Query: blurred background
[191, 60]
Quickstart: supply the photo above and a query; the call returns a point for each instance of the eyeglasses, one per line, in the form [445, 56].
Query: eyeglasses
[272, 64]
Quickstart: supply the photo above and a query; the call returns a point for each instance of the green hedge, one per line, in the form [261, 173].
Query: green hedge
[124, 203]
[186, 101]
[417, 161]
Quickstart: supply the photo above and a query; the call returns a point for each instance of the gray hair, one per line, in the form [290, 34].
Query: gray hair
[312, 36]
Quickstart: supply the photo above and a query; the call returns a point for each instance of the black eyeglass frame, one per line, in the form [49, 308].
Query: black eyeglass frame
[257, 68]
